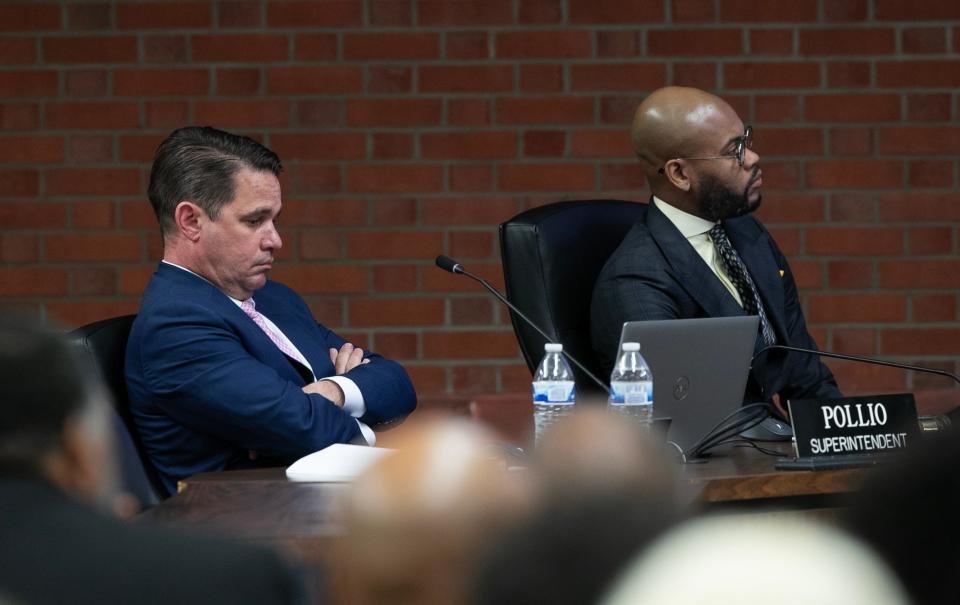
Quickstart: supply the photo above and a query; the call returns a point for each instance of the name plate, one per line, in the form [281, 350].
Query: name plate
[853, 425]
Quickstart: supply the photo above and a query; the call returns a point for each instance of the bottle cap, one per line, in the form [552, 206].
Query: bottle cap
[553, 347]
[631, 346]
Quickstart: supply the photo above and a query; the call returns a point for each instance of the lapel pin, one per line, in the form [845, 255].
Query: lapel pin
[781, 272]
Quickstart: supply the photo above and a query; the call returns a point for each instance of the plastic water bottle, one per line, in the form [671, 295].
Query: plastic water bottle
[553, 390]
[631, 385]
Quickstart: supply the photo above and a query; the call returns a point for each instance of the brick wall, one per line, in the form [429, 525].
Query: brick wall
[413, 127]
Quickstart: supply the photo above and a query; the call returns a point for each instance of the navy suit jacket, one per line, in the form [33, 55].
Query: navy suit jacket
[207, 387]
[656, 274]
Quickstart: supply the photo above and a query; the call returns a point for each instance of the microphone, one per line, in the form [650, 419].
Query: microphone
[451, 266]
[934, 422]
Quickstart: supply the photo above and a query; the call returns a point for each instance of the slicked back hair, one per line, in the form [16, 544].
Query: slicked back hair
[198, 164]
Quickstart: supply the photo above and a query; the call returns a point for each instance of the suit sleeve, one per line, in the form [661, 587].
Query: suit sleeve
[200, 374]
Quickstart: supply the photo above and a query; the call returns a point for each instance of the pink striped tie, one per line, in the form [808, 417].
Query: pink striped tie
[249, 307]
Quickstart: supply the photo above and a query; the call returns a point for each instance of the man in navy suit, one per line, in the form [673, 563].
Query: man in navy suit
[225, 368]
[697, 252]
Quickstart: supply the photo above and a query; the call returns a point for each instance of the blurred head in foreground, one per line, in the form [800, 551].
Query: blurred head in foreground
[757, 559]
[417, 519]
[54, 416]
[602, 492]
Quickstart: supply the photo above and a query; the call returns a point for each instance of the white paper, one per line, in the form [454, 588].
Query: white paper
[339, 462]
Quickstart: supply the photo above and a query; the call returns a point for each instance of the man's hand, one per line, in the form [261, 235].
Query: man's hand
[347, 358]
[328, 389]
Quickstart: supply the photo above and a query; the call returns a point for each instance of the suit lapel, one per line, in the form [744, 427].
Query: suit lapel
[302, 336]
[696, 277]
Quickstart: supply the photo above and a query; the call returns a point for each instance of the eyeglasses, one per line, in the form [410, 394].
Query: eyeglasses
[743, 143]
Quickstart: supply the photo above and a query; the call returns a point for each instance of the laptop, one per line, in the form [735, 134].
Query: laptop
[699, 367]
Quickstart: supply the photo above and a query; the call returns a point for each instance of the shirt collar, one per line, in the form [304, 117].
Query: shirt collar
[688, 224]
[165, 261]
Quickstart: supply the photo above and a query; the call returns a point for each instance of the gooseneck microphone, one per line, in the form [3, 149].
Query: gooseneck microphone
[451, 266]
[857, 358]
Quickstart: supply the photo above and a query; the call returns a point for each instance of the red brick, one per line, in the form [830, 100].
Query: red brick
[771, 10]
[238, 81]
[796, 208]
[468, 112]
[93, 181]
[392, 146]
[697, 75]
[389, 79]
[314, 178]
[469, 345]
[911, 74]
[394, 112]
[321, 146]
[474, 379]
[99, 247]
[395, 278]
[924, 40]
[618, 76]
[614, 12]
[323, 279]
[18, 183]
[92, 149]
[807, 275]
[545, 177]
[854, 341]
[315, 47]
[391, 46]
[920, 341]
[788, 239]
[777, 108]
[932, 173]
[867, 174]
[330, 13]
[81, 312]
[85, 83]
[321, 113]
[396, 345]
[31, 215]
[466, 211]
[857, 308]
[19, 116]
[245, 114]
[137, 215]
[394, 178]
[467, 45]
[853, 208]
[470, 177]
[854, 242]
[693, 11]
[29, 16]
[471, 244]
[904, 10]
[160, 82]
[241, 13]
[324, 213]
[544, 110]
[394, 244]
[428, 380]
[618, 43]
[94, 214]
[93, 281]
[466, 78]
[541, 78]
[313, 80]
[28, 83]
[772, 75]
[366, 312]
[852, 108]
[165, 49]
[391, 13]
[314, 245]
[544, 143]
[471, 311]
[622, 177]
[920, 140]
[934, 307]
[919, 274]
[850, 274]
[139, 148]
[849, 74]
[400, 212]
[31, 150]
[472, 13]
[600, 143]
[540, 11]
[920, 207]
[851, 141]
[928, 107]
[18, 248]
[468, 145]
[788, 141]
[17, 51]
[98, 49]
[543, 44]
[695, 42]
[850, 10]
[848, 41]
[931, 240]
[863, 379]
[435, 280]
[32, 281]
[161, 15]
[165, 114]
[239, 47]
[92, 114]
[771, 42]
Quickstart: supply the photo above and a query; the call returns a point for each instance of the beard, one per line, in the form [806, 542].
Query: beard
[717, 202]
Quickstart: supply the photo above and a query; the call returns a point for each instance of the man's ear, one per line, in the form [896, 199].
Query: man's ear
[189, 218]
[675, 173]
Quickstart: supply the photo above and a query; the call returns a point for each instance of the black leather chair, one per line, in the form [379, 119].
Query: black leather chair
[105, 342]
[551, 258]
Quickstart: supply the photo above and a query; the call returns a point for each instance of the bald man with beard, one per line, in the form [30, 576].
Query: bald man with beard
[697, 252]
